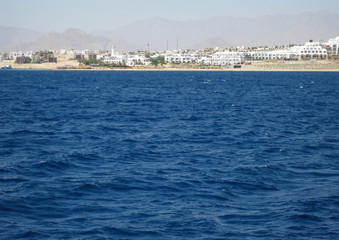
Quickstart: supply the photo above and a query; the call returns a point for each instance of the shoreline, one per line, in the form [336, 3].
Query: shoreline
[173, 70]
[269, 66]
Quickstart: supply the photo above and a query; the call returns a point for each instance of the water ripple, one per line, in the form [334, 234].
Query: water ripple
[169, 155]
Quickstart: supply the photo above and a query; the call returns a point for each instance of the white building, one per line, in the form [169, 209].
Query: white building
[61, 51]
[129, 60]
[180, 57]
[68, 51]
[310, 50]
[116, 59]
[14, 54]
[333, 43]
[132, 60]
[86, 52]
[270, 55]
[223, 58]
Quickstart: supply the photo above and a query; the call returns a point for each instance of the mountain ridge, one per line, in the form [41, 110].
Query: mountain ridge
[265, 30]
[72, 38]
[10, 37]
[161, 33]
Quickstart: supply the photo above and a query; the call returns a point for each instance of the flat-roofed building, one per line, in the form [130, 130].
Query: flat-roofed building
[333, 43]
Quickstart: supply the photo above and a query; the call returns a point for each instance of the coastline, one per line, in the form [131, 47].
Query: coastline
[177, 70]
[266, 66]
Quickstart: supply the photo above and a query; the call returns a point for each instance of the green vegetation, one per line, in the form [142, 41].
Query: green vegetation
[27, 60]
[39, 60]
[91, 62]
[5, 56]
[100, 63]
[157, 60]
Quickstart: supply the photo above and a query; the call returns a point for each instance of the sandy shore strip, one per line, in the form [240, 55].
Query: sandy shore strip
[288, 66]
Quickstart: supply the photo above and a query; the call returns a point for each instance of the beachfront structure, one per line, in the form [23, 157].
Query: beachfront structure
[333, 43]
[133, 60]
[128, 60]
[122, 59]
[180, 58]
[116, 59]
[271, 55]
[224, 58]
[310, 50]
[14, 54]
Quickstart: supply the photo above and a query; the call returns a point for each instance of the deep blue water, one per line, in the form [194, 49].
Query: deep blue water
[169, 155]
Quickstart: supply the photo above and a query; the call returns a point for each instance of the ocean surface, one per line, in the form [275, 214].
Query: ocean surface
[169, 155]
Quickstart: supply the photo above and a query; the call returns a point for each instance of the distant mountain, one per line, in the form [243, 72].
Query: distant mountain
[12, 36]
[73, 39]
[212, 43]
[195, 34]
[266, 30]
[157, 32]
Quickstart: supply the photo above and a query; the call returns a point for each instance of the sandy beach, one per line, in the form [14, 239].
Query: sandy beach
[65, 62]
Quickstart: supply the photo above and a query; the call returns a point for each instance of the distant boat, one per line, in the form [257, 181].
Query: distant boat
[6, 67]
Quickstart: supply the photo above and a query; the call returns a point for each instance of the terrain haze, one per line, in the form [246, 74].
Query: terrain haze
[191, 34]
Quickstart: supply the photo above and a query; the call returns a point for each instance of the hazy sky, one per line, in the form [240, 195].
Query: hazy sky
[89, 15]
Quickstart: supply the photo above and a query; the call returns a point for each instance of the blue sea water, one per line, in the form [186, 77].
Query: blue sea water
[169, 155]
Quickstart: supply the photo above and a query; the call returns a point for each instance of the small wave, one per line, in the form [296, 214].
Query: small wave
[53, 165]
[31, 235]
[251, 186]
[14, 179]
[129, 232]
[83, 156]
[252, 216]
[212, 197]
[98, 187]
[191, 118]
[305, 217]
[2, 170]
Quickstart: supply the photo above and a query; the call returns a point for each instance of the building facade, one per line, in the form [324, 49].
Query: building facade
[333, 43]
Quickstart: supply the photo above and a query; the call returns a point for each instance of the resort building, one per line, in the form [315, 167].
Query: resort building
[333, 43]
[312, 50]
[182, 57]
[178, 58]
[223, 58]
[128, 60]
[14, 54]
[269, 55]
[117, 59]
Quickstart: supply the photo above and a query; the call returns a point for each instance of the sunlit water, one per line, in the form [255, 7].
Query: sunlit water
[169, 155]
